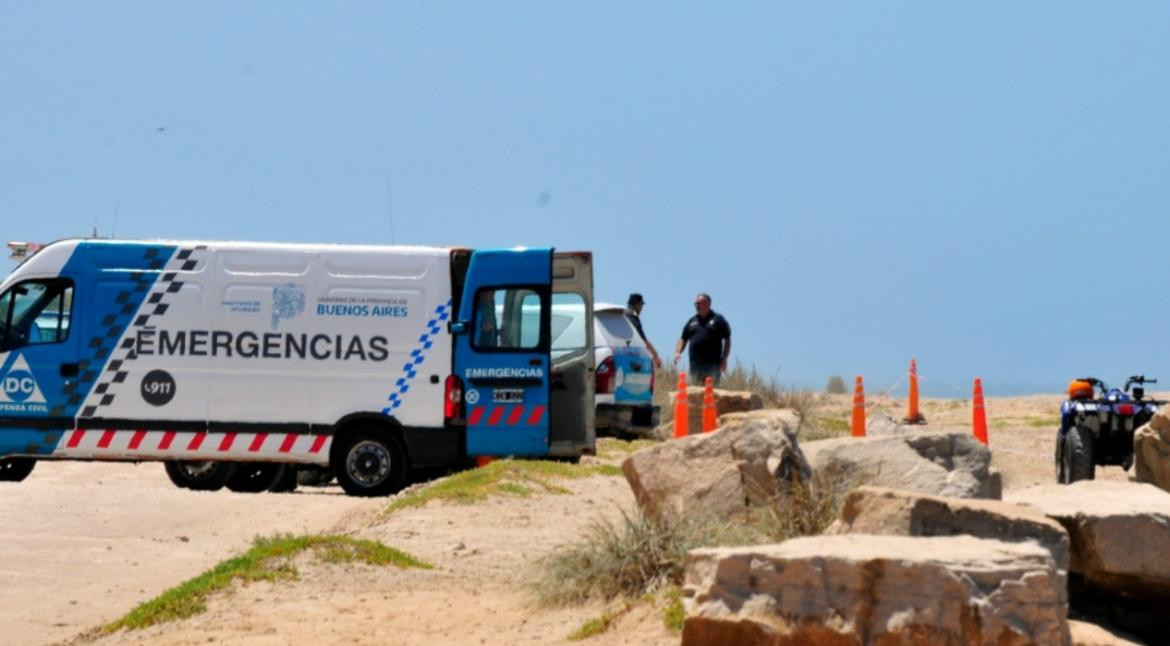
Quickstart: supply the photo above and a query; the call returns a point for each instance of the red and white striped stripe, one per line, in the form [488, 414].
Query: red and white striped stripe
[506, 415]
[98, 444]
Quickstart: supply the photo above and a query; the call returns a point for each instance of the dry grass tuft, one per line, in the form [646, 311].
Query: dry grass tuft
[641, 554]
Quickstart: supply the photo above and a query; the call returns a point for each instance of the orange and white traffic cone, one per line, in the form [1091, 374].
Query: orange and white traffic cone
[681, 414]
[978, 413]
[913, 416]
[858, 425]
[709, 420]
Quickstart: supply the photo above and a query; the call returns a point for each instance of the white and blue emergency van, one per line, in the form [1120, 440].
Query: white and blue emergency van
[228, 359]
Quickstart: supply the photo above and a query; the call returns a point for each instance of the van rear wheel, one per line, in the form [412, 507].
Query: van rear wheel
[16, 469]
[199, 475]
[371, 464]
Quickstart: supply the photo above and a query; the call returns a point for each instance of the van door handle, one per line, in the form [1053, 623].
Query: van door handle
[69, 369]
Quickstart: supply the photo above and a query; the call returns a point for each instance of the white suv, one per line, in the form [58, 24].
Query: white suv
[625, 373]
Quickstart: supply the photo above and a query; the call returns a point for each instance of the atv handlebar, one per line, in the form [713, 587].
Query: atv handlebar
[1139, 380]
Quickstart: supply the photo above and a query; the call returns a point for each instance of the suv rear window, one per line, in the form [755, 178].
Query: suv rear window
[616, 329]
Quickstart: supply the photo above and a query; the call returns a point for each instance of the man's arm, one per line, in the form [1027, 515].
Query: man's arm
[653, 353]
[726, 345]
[726, 354]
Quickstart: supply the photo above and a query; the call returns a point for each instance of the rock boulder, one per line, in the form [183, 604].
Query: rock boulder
[719, 473]
[726, 402]
[1151, 449]
[856, 589]
[946, 464]
[1119, 531]
[878, 510]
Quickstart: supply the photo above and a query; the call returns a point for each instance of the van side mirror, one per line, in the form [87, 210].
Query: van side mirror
[457, 327]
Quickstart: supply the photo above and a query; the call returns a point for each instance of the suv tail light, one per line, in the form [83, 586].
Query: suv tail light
[453, 399]
[606, 377]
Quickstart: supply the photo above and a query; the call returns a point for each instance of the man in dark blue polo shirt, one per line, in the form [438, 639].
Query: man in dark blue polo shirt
[709, 336]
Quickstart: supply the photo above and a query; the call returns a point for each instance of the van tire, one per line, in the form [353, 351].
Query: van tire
[199, 475]
[254, 477]
[314, 476]
[370, 463]
[16, 469]
[286, 480]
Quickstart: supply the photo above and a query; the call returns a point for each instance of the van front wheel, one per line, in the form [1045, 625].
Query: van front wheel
[371, 464]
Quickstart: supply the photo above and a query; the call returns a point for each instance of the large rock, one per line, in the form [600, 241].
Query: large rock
[1119, 531]
[878, 510]
[726, 402]
[720, 473]
[947, 464]
[856, 589]
[1151, 449]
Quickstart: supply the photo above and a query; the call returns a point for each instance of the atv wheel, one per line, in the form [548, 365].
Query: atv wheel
[1061, 472]
[16, 469]
[200, 476]
[254, 477]
[370, 464]
[1078, 455]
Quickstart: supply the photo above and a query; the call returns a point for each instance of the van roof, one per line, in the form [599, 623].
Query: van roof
[245, 245]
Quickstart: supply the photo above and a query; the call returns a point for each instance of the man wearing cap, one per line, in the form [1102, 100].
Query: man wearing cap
[709, 336]
[634, 307]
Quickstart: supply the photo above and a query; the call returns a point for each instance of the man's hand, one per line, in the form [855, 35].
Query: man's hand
[674, 363]
[723, 366]
[657, 362]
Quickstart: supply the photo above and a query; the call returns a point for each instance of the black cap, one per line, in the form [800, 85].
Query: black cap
[635, 299]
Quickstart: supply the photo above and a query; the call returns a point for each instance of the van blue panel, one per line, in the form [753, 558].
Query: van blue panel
[96, 326]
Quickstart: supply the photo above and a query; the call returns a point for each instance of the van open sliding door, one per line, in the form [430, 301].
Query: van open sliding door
[571, 390]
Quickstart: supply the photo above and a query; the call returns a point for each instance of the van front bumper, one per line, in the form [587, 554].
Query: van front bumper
[626, 417]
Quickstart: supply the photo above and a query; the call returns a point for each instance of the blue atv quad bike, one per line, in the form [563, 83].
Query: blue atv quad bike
[1099, 429]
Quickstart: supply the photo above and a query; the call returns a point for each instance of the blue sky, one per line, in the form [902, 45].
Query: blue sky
[980, 185]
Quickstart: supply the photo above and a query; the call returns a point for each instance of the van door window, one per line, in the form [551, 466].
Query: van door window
[507, 318]
[35, 312]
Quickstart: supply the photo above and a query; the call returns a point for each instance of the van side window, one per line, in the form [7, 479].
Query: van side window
[568, 322]
[507, 318]
[35, 312]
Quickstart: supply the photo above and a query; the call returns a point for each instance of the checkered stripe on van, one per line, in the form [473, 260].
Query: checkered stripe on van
[417, 357]
[154, 306]
[99, 347]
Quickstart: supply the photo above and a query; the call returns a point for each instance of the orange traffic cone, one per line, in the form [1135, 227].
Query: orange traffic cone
[681, 414]
[978, 414]
[709, 421]
[858, 424]
[913, 416]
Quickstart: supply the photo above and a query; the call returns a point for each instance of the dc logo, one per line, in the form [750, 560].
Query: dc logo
[472, 397]
[19, 385]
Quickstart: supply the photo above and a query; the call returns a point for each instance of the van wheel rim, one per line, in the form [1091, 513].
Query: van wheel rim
[368, 463]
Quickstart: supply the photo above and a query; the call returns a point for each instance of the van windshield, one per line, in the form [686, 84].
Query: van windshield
[35, 311]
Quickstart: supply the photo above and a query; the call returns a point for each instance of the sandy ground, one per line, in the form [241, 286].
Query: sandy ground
[83, 543]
